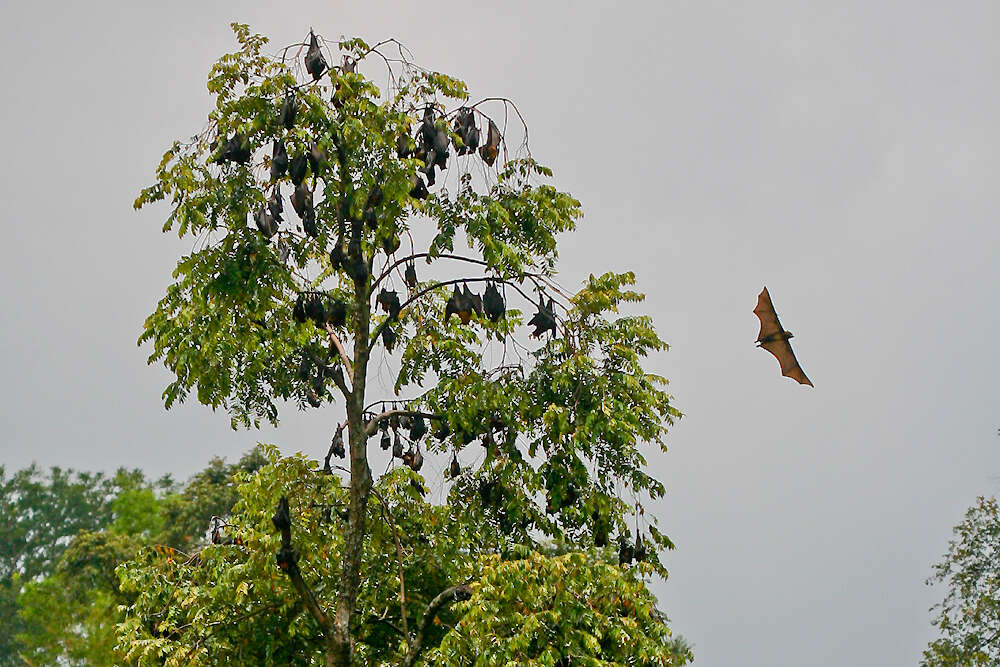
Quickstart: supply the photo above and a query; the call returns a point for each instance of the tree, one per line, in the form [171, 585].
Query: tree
[267, 311]
[39, 515]
[62, 604]
[969, 616]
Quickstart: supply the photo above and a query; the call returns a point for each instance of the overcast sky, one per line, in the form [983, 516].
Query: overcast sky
[843, 154]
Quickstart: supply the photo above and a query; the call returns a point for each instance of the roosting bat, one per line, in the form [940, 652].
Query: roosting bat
[288, 108]
[774, 339]
[315, 62]
[279, 160]
[490, 150]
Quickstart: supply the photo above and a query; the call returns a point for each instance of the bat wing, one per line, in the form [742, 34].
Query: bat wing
[772, 337]
[782, 351]
[769, 323]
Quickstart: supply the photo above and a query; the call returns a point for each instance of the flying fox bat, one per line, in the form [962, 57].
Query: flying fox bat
[279, 160]
[491, 149]
[288, 108]
[315, 62]
[774, 339]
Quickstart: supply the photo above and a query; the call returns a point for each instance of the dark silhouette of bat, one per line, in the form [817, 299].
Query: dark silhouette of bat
[288, 108]
[774, 339]
[545, 319]
[315, 62]
[265, 222]
[279, 160]
[493, 303]
[275, 206]
[410, 276]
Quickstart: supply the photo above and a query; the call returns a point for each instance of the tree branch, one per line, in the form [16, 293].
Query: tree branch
[312, 604]
[335, 339]
[445, 597]
[372, 425]
[444, 283]
[414, 256]
[399, 557]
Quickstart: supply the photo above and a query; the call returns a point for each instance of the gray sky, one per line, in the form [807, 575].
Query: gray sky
[844, 154]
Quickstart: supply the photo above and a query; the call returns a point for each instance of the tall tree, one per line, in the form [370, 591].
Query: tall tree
[969, 616]
[306, 303]
[40, 513]
[61, 605]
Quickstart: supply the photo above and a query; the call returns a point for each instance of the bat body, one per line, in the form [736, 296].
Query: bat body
[774, 339]
[315, 62]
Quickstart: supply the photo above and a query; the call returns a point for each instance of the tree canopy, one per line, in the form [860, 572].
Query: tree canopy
[406, 198]
[968, 617]
[63, 533]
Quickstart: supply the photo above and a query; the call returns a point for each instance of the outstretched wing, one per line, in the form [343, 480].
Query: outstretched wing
[778, 345]
[782, 351]
[764, 311]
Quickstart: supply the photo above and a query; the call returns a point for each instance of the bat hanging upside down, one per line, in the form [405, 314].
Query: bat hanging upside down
[774, 339]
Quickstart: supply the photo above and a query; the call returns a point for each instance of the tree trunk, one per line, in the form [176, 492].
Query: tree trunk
[340, 645]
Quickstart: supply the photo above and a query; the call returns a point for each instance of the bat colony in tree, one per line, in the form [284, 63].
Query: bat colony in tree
[774, 339]
[358, 175]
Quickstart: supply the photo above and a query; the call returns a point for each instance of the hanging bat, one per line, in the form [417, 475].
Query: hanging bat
[315, 310]
[441, 149]
[389, 302]
[336, 449]
[297, 168]
[491, 149]
[443, 431]
[375, 197]
[493, 303]
[388, 338]
[427, 129]
[403, 148]
[545, 319]
[774, 339]
[414, 458]
[288, 109]
[265, 222]
[350, 64]
[455, 469]
[279, 160]
[453, 304]
[625, 552]
[299, 310]
[236, 149]
[274, 204]
[419, 189]
[315, 62]
[356, 266]
[473, 304]
[418, 428]
[302, 200]
[465, 128]
[385, 442]
[390, 244]
[410, 275]
[318, 158]
[282, 518]
[336, 313]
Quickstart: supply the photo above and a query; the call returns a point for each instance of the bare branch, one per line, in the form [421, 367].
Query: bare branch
[404, 260]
